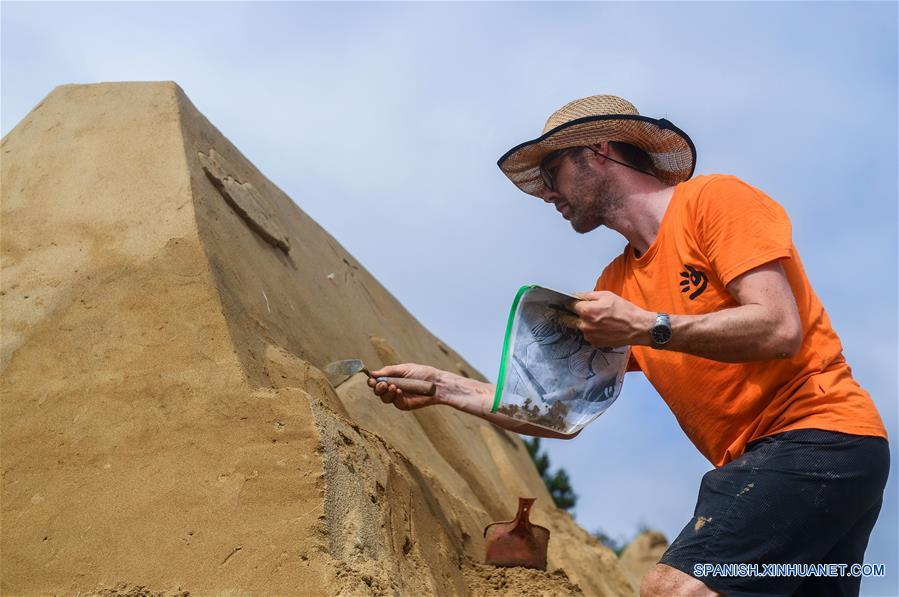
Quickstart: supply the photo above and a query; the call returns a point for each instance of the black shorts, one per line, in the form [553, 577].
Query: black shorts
[801, 497]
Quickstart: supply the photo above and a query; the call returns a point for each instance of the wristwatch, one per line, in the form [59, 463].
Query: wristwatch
[661, 331]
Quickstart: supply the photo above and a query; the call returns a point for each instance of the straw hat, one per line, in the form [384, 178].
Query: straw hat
[601, 118]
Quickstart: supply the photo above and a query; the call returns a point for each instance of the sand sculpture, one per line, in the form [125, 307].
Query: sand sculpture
[641, 554]
[165, 424]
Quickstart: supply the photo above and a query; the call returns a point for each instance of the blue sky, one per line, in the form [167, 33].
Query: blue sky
[384, 123]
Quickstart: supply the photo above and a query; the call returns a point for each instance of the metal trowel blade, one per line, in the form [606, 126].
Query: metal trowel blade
[340, 371]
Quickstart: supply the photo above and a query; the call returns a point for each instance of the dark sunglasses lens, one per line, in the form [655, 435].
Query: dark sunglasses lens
[547, 179]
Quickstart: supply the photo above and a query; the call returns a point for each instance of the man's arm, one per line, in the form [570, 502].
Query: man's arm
[764, 326]
[476, 398]
[467, 395]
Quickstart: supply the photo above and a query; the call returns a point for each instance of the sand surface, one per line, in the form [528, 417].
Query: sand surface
[166, 428]
[642, 554]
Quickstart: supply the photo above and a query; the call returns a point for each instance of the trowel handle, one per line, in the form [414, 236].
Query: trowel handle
[411, 386]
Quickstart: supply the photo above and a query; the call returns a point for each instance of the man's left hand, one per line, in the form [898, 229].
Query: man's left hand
[606, 319]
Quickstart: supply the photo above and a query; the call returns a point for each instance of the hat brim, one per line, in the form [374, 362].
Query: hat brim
[671, 149]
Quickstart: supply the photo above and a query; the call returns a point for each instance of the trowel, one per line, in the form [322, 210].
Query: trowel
[517, 542]
[340, 371]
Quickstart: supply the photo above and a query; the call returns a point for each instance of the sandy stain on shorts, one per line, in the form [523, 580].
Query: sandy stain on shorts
[700, 522]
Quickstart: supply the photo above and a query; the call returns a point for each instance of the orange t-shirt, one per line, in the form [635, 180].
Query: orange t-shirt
[715, 229]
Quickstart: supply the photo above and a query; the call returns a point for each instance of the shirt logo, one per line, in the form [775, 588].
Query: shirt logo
[695, 281]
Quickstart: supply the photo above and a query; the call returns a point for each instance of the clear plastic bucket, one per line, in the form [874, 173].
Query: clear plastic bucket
[549, 374]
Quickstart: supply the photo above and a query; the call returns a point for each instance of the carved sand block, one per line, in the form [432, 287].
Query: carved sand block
[245, 200]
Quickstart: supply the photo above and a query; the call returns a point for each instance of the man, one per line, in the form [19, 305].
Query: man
[712, 297]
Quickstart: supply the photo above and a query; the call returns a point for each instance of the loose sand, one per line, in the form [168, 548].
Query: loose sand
[166, 428]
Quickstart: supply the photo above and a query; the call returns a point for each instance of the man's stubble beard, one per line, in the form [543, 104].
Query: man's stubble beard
[598, 200]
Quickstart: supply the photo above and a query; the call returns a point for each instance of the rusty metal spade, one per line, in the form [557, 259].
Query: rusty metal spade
[340, 371]
[517, 542]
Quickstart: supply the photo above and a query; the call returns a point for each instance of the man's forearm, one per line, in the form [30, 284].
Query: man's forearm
[765, 324]
[476, 398]
[739, 334]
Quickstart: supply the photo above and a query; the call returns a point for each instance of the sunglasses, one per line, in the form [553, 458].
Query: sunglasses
[544, 171]
[548, 177]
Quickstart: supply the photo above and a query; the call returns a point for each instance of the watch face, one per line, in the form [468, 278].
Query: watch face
[661, 334]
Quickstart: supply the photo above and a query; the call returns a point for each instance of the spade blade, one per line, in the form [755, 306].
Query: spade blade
[517, 542]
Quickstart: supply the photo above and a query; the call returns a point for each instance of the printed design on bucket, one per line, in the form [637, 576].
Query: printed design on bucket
[551, 376]
[564, 342]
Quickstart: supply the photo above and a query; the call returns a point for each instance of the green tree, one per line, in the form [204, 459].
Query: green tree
[616, 545]
[558, 483]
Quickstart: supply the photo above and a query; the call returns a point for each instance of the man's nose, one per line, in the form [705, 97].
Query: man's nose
[549, 195]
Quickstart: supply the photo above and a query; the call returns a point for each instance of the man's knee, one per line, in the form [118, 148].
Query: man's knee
[663, 580]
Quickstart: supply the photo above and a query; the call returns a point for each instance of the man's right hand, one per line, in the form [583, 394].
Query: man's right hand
[390, 394]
